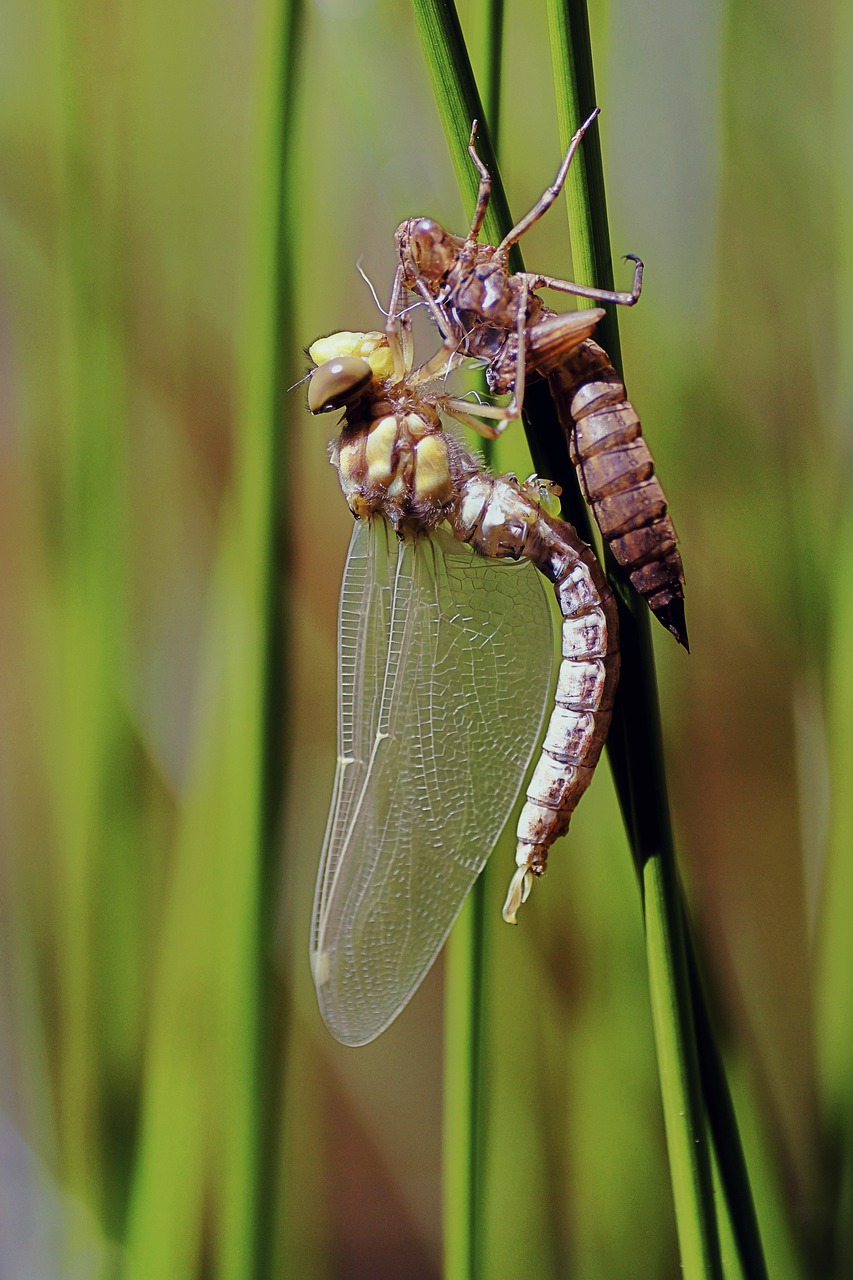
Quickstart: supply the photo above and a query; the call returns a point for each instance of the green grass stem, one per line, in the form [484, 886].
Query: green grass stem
[212, 975]
[638, 718]
[86, 633]
[635, 744]
[464, 1090]
[466, 957]
[459, 103]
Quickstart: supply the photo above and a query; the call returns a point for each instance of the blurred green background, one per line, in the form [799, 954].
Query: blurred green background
[172, 544]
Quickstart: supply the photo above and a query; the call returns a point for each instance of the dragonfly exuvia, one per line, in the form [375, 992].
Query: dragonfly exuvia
[482, 309]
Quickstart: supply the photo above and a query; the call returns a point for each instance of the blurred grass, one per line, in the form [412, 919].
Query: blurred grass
[133, 493]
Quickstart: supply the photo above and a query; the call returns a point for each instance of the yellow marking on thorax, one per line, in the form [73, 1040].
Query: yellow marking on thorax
[432, 471]
[381, 439]
[350, 466]
[417, 426]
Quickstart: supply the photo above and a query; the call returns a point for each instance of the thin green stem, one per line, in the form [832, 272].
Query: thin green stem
[635, 746]
[92, 768]
[722, 1122]
[464, 1090]
[459, 104]
[494, 67]
[272, 307]
[214, 1111]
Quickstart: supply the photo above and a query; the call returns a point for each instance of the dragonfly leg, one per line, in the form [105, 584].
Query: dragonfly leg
[469, 414]
[521, 347]
[549, 195]
[484, 193]
[397, 331]
[437, 314]
[446, 359]
[626, 299]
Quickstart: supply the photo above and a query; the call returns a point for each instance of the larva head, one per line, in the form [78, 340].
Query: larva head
[426, 250]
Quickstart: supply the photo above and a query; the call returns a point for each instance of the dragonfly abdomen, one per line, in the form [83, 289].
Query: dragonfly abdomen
[499, 517]
[577, 729]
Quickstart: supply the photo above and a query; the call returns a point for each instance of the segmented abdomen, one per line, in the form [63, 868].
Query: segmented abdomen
[617, 477]
[500, 518]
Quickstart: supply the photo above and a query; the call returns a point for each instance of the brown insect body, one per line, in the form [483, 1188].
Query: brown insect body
[617, 476]
[487, 312]
[614, 465]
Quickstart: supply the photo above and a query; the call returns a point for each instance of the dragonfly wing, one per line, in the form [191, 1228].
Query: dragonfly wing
[445, 668]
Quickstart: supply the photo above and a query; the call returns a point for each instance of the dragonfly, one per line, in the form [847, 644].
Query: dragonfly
[483, 310]
[445, 667]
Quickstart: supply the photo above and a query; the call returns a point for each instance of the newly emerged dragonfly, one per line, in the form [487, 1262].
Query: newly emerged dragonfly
[483, 310]
[445, 661]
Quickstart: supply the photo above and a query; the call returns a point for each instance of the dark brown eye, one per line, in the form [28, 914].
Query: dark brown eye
[337, 382]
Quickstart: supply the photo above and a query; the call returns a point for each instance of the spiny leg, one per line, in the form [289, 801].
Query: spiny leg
[437, 314]
[463, 411]
[484, 193]
[626, 299]
[517, 400]
[549, 195]
[448, 354]
[393, 329]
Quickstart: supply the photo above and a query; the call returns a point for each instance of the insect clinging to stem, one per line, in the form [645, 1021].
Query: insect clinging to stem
[481, 309]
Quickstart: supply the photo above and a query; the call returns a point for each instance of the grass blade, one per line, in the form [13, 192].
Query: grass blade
[635, 748]
[637, 739]
[214, 1112]
[464, 1090]
[92, 779]
[459, 104]
[635, 745]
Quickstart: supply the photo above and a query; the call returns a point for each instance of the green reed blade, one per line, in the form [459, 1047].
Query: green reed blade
[201, 1180]
[459, 103]
[635, 745]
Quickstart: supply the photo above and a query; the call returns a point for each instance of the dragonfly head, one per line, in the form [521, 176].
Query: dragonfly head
[426, 250]
[346, 364]
[338, 383]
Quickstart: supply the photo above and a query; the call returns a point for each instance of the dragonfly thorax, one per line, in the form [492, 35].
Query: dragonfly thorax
[400, 464]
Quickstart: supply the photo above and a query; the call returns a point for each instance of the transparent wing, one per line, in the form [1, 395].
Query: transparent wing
[444, 667]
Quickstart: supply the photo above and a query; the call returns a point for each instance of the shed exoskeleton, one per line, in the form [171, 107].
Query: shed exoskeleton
[483, 310]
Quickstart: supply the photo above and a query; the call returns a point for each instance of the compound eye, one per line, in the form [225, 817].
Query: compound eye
[337, 382]
[428, 247]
